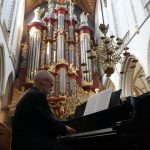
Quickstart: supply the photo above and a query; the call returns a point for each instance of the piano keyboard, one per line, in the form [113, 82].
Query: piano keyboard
[90, 133]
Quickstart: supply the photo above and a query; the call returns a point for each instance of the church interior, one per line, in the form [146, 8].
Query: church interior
[88, 45]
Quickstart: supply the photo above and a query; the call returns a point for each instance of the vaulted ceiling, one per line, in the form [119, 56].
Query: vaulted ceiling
[87, 6]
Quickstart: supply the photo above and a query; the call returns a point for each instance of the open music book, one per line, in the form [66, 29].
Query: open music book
[114, 101]
[97, 102]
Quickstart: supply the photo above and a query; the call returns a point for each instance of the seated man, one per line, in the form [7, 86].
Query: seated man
[34, 127]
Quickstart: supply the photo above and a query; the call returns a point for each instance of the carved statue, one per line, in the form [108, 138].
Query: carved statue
[62, 3]
[51, 5]
[46, 15]
[38, 12]
[84, 18]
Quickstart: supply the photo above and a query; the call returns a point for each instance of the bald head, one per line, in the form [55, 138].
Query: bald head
[43, 74]
[43, 80]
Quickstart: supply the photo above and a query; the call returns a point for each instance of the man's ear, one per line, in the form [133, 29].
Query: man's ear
[42, 83]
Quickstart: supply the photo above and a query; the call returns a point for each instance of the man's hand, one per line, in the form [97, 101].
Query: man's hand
[5, 128]
[2, 124]
[70, 130]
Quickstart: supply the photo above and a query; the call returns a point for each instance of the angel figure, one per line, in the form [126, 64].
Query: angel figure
[50, 6]
[84, 18]
[38, 12]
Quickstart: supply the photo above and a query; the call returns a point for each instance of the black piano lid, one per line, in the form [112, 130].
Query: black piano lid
[114, 101]
[79, 110]
[132, 133]
[102, 119]
[115, 98]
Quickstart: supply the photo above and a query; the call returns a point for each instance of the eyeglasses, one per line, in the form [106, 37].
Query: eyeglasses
[49, 81]
[52, 84]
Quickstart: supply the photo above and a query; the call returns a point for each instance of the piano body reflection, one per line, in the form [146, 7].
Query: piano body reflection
[123, 127]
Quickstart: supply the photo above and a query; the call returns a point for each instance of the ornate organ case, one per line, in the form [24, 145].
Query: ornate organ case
[58, 42]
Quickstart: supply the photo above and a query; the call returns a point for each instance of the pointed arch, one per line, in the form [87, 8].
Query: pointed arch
[126, 78]
[109, 84]
[133, 81]
[148, 58]
[8, 92]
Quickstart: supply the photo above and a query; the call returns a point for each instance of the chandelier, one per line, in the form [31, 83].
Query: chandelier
[107, 51]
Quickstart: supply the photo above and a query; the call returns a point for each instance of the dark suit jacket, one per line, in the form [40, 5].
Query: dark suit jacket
[33, 126]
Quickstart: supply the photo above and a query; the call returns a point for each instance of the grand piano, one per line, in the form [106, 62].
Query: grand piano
[122, 127]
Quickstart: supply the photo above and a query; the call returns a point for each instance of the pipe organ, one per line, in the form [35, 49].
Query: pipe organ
[58, 43]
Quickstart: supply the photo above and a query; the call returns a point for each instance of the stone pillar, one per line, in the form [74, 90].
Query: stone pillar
[4, 110]
[1, 98]
[148, 81]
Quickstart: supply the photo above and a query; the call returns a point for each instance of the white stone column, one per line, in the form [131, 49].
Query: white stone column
[4, 8]
[134, 14]
[1, 96]
[1, 4]
[148, 81]
[10, 15]
[115, 18]
[13, 27]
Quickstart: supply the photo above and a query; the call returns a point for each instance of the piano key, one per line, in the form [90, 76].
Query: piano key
[90, 133]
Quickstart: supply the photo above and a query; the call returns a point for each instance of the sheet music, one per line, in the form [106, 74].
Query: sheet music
[98, 102]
